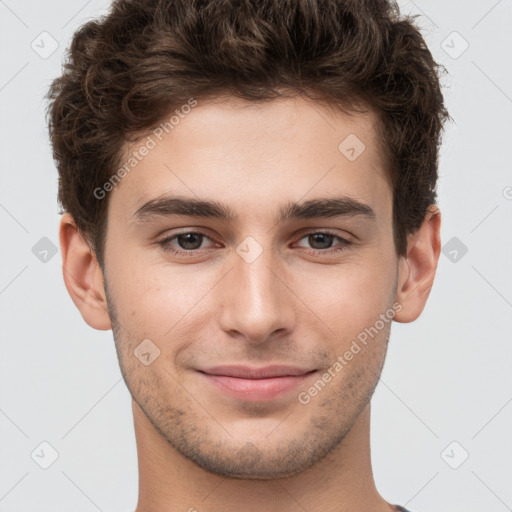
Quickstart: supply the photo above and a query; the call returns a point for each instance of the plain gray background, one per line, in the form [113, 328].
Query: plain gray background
[446, 389]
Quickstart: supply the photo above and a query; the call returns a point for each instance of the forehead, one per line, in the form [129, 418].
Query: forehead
[256, 156]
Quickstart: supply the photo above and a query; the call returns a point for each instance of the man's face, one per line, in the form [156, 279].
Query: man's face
[254, 291]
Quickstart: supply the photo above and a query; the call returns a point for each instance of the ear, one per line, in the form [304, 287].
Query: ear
[82, 275]
[416, 270]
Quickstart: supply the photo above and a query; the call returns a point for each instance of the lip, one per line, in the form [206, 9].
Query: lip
[256, 384]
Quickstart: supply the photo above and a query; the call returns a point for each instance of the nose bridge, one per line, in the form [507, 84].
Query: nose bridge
[255, 302]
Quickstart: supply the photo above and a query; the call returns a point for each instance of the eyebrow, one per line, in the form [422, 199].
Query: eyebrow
[328, 207]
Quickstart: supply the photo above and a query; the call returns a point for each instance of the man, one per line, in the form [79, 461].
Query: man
[248, 190]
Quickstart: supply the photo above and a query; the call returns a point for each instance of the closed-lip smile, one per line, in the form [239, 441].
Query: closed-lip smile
[256, 384]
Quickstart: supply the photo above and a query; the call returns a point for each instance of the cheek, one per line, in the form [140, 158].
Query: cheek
[153, 300]
[350, 297]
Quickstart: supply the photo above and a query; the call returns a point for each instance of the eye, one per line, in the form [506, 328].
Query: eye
[322, 241]
[189, 241]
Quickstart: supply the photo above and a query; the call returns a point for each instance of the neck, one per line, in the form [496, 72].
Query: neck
[341, 482]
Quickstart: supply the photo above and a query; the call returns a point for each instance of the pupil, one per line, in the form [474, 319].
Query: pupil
[188, 239]
[327, 240]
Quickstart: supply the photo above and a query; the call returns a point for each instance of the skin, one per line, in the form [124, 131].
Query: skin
[198, 448]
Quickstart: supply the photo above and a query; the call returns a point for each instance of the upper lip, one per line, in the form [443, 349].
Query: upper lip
[247, 372]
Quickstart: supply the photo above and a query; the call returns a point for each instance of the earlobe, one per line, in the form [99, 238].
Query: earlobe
[82, 275]
[417, 269]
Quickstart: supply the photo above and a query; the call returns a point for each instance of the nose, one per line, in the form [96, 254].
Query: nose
[256, 302]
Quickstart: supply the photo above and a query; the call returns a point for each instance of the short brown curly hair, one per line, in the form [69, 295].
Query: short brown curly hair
[125, 71]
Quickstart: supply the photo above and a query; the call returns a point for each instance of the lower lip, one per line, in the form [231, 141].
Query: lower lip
[257, 389]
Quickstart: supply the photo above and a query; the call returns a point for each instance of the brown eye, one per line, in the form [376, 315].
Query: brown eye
[322, 242]
[187, 243]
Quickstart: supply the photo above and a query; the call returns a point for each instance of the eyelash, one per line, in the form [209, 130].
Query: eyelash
[344, 243]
